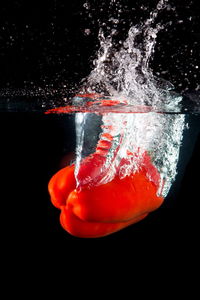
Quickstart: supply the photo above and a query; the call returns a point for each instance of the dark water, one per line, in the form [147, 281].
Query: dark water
[34, 146]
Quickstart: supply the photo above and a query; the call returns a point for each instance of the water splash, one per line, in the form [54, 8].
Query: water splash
[125, 75]
[125, 72]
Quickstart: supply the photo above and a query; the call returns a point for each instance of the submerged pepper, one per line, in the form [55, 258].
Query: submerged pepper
[95, 211]
[89, 209]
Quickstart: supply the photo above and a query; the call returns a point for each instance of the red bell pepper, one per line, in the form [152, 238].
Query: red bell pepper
[92, 210]
[95, 211]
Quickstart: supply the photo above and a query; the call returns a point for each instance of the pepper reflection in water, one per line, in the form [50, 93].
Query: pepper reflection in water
[120, 174]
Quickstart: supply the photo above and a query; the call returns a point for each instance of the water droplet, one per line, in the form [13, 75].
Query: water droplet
[87, 31]
[86, 5]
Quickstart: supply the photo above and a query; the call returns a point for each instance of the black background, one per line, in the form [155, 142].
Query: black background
[44, 44]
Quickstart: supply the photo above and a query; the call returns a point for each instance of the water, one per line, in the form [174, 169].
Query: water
[147, 128]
